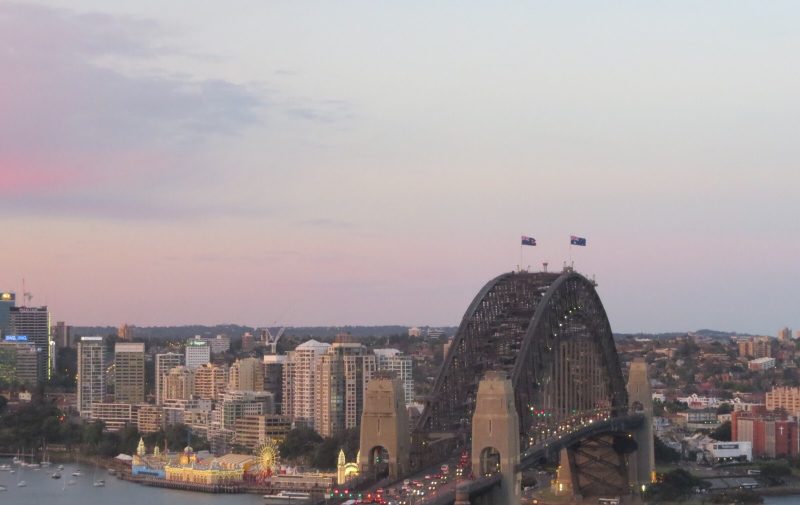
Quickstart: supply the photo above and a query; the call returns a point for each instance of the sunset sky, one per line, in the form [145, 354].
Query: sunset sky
[295, 162]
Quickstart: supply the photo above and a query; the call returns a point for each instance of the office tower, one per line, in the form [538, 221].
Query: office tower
[248, 342]
[198, 352]
[785, 334]
[6, 302]
[210, 381]
[299, 381]
[178, 384]
[60, 334]
[164, 363]
[273, 378]
[344, 371]
[19, 361]
[91, 373]
[246, 375]
[34, 323]
[129, 372]
[392, 360]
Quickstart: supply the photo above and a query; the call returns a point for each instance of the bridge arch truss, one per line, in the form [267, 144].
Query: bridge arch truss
[550, 333]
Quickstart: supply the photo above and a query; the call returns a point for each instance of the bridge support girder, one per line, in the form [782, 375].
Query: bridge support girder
[384, 424]
[495, 438]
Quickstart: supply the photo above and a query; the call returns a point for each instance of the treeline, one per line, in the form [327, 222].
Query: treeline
[39, 424]
[235, 330]
[304, 446]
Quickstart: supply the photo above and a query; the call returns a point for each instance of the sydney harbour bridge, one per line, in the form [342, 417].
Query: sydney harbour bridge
[531, 375]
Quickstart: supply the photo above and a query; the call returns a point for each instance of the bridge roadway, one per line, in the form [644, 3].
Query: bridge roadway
[445, 495]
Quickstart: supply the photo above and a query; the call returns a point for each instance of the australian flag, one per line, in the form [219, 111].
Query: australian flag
[528, 240]
[577, 240]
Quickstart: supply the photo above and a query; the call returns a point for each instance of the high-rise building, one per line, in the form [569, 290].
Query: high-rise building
[178, 384]
[164, 363]
[785, 398]
[6, 302]
[91, 373]
[773, 435]
[246, 375]
[273, 378]
[253, 430]
[344, 371]
[248, 342]
[19, 362]
[237, 404]
[34, 323]
[126, 331]
[401, 365]
[114, 415]
[210, 382]
[785, 334]
[129, 372]
[300, 376]
[198, 352]
[60, 333]
[220, 343]
[755, 347]
[150, 418]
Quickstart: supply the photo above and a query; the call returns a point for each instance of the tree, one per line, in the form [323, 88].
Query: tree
[725, 408]
[722, 432]
[676, 485]
[664, 453]
[3, 403]
[325, 454]
[300, 443]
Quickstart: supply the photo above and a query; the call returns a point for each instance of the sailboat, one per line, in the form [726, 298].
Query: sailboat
[20, 481]
[97, 482]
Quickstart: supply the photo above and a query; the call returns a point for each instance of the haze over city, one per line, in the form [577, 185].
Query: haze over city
[357, 163]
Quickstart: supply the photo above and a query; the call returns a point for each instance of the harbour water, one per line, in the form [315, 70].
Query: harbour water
[41, 489]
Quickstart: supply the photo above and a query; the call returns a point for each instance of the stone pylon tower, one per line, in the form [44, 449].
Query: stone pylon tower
[495, 436]
[640, 400]
[384, 424]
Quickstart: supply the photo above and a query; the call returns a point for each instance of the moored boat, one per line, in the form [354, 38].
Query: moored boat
[287, 498]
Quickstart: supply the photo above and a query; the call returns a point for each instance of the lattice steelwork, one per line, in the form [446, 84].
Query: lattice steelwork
[550, 332]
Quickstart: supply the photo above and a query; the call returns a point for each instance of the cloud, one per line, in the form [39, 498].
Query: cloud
[74, 129]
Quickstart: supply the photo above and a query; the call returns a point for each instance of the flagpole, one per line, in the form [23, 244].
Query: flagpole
[570, 252]
[519, 267]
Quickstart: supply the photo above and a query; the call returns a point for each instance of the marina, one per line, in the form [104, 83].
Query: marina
[41, 488]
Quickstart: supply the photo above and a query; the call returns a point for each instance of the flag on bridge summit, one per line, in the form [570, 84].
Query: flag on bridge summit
[528, 240]
[573, 240]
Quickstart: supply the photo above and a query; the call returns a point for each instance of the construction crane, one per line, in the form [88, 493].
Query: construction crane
[272, 340]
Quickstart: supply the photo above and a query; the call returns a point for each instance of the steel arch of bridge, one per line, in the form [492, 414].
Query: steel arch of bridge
[550, 333]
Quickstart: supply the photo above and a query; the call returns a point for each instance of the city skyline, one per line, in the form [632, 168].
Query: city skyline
[364, 164]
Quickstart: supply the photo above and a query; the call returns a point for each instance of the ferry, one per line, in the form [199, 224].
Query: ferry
[287, 498]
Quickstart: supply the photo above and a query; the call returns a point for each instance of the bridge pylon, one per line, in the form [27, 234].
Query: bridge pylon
[495, 437]
[384, 430]
[640, 397]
